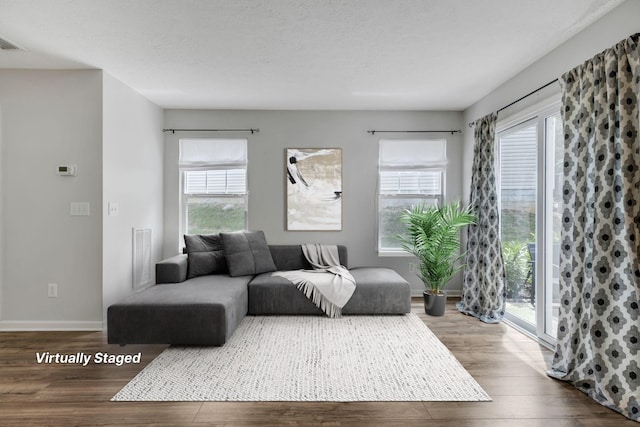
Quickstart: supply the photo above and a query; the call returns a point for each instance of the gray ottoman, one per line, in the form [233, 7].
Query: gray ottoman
[204, 310]
[379, 291]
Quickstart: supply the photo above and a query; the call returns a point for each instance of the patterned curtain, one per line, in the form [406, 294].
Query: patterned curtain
[598, 348]
[483, 292]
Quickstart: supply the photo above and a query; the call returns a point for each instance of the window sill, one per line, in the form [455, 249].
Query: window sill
[394, 254]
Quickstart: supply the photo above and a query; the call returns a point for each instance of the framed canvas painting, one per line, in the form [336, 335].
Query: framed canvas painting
[314, 189]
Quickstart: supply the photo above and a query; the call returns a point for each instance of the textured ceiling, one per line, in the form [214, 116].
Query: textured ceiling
[296, 54]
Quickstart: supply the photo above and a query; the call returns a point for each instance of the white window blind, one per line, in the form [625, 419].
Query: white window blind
[412, 154]
[412, 166]
[221, 152]
[410, 172]
[518, 158]
[394, 182]
[217, 181]
[214, 166]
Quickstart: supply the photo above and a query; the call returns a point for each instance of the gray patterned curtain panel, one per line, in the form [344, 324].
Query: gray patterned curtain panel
[598, 348]
[483, 293]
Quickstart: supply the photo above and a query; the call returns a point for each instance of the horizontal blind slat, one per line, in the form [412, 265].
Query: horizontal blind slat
[410, 182]
[216, 181]
[518, 159]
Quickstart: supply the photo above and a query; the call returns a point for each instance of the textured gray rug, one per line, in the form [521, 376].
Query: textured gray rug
[311, 358]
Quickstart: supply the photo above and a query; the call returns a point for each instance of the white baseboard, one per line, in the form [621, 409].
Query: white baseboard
[55, 325]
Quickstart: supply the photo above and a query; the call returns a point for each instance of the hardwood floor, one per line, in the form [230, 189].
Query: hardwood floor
[508, 365]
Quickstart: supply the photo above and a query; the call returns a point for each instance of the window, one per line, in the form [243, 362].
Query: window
[410, 172]
[529, 179]
[213, 182]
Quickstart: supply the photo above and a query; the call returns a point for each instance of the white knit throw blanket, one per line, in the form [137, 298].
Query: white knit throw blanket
[329, 285]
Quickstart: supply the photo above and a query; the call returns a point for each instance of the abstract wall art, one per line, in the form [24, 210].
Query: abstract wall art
[314, 189]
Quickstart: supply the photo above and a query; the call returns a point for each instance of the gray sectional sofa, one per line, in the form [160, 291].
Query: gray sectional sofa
[206, 309]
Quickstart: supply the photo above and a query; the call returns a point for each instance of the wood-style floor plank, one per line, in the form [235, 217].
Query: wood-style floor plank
[311, 412]
[508, 365]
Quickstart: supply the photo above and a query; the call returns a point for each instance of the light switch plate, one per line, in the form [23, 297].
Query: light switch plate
[52, 290]
[114, 208]
[79, 208]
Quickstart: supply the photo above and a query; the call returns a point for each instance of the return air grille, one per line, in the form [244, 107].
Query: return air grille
[142, 275]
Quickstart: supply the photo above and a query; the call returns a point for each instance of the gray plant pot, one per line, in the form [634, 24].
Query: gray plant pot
[434, 305]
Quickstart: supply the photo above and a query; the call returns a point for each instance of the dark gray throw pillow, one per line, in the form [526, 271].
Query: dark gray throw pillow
[205, 255]
[247, 252]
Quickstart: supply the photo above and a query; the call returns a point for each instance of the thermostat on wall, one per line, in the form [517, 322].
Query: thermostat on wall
[67, 170]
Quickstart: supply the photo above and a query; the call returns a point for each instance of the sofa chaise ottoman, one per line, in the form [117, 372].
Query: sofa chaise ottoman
[206, 310]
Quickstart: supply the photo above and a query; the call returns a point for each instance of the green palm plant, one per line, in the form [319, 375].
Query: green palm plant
[433, 237]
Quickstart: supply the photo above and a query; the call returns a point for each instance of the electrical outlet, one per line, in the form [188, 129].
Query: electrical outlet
[52, 290]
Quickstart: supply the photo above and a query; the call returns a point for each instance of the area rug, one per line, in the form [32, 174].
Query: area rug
[311, 358]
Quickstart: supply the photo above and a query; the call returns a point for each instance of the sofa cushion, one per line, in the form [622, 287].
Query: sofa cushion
[378, 291]
[247, 252]
[270, 294]
[205, 255]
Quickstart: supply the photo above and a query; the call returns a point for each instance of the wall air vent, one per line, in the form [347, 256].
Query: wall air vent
[7, 46]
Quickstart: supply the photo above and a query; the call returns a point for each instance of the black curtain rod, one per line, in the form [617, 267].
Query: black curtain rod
[527, 95]
[521, 98]
[373, 132]
[211, 130]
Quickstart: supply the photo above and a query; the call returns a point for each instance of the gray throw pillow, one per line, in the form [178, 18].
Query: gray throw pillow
[247, 252]
[205, 255]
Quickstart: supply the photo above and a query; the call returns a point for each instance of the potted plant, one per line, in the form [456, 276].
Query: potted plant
[433, 237]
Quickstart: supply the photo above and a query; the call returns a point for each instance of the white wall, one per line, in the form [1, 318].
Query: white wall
[602, 34]
[50, 118]
[313, 129]
[133, 148]
[1, 215]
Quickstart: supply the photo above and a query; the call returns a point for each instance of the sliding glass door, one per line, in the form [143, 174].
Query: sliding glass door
[518, 185]
[530, 173]
[551, 223]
